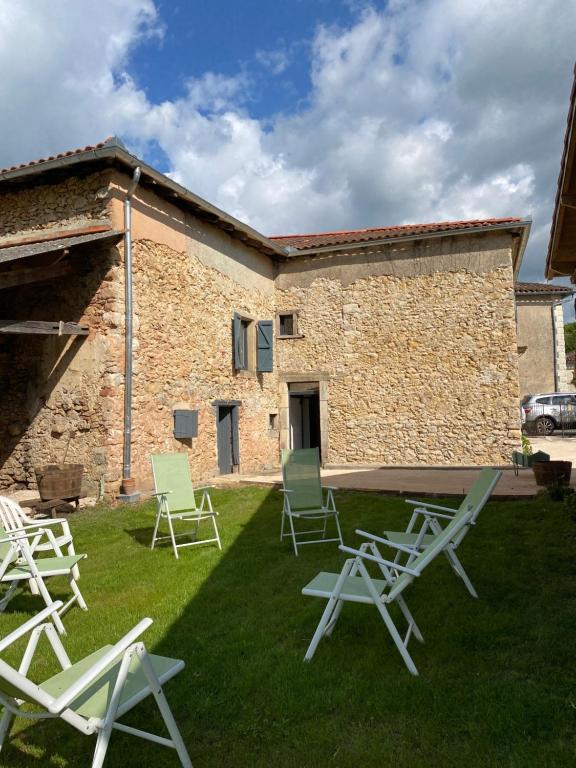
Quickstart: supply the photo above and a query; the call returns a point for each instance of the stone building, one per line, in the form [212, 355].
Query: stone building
[390, 346]
[541, 350]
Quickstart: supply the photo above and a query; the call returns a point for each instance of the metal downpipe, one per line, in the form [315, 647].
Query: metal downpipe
[127, 482]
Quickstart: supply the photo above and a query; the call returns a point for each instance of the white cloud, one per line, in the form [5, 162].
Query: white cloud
[427, 110]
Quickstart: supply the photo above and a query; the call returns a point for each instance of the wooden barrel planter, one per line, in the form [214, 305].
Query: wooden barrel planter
[59, 481]
[552, 472]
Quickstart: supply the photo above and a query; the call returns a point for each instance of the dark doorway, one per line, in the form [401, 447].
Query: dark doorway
[304, 412]
[227, 438]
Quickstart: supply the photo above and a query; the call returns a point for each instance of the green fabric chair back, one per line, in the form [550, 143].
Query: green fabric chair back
[454, 532]
[481, 491]
[172, 473]
[301, 476]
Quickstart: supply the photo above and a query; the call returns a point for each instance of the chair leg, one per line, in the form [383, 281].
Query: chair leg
[294, 542]
[396, 637]
[104, 734]
[459, 570]
[282, 526]
[101, 748]
[410, 619]
[76, 589]
[165, 710]
[331, 608]
[48, 600]
[338, 528]
[154, 535]
[216, 533]
[33, 587]
[174, 547]
[9, 594]
[75, 569]
[5, 724]
[334, 618]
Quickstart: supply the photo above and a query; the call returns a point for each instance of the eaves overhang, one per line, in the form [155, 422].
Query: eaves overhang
[561, 256]
[520, 229]
[113, 153]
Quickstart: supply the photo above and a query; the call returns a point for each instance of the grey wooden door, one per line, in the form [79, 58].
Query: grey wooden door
[227, 438]
[224, 439]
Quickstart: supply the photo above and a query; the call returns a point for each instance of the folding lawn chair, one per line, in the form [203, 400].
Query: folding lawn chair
[176, 500]
[475, 500]
[95, 692]
[303, 496]
[13, 518]
[18, 564]
[355, 584]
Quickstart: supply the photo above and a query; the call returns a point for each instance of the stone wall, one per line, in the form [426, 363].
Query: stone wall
[419, 343]
[416, 344]
[47, 209]
[183, 359]
[51, 387]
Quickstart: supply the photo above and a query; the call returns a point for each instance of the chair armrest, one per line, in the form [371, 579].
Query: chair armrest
[11, 536]
[204, 488]
[329, 487]
[44, 523]
[431, 513]
[91, 674]
[160, 493]
[425, 505]
[285, 490]
[379, 560]
[29, 625]
[380, 540]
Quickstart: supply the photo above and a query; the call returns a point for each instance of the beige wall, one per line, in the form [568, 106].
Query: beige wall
[540, 350]
[419, 343]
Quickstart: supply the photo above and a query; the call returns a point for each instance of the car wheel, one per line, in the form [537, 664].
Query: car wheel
[545, 425]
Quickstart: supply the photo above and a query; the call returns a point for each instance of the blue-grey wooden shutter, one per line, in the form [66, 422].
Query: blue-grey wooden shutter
[237, 340]
[265, 346]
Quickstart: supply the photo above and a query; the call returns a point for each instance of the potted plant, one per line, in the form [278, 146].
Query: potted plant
[526, 457]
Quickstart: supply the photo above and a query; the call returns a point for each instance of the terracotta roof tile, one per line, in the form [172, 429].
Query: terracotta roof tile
[111, 140]
[323, 239]
[543, 288]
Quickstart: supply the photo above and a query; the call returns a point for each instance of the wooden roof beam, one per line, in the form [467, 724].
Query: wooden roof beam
[43, 327]
[16, 277]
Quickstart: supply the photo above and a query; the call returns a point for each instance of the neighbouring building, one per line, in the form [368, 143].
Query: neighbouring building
[561, 258]
[541, 350]
[395, 345]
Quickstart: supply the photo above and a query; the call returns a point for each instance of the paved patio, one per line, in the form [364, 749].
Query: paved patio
[409, 481]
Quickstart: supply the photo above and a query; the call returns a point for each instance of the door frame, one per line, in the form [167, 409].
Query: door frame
[317, 377]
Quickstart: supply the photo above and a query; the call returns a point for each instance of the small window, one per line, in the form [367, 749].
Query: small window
[287, 324]
[243, 345]
[244, 341]
[273, 421]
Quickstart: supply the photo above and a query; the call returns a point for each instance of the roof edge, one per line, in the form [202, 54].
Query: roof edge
[524, 224]
[114, 151]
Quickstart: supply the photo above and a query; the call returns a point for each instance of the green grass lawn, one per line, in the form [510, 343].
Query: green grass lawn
[497, 675]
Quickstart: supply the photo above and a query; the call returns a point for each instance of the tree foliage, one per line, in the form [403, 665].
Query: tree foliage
[570, 336]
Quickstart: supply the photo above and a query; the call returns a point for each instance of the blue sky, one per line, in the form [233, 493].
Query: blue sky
[227, 37]
[307, 115]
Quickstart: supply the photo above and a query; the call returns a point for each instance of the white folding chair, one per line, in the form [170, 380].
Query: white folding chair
[95, 692]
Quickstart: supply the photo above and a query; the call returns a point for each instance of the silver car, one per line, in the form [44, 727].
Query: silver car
[542, 414]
